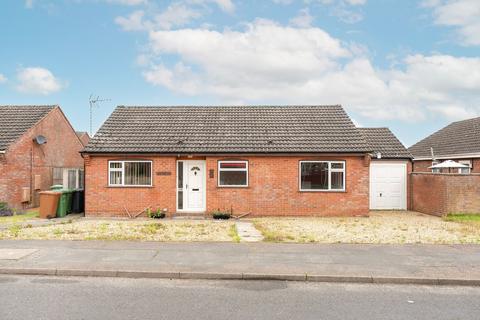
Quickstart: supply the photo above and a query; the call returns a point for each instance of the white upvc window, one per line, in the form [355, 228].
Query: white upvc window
[131, 173]
[69, 178]
[465, 170]
[232, 173]
[322, 175]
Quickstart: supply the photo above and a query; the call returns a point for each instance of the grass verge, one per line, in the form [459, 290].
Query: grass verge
[19, 217]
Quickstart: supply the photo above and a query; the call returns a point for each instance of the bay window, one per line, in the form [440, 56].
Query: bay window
[130, 173]
[322, 175]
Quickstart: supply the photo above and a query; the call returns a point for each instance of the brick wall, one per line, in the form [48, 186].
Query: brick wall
[423, 165]
[440, 194]
[25, 159]
[273, 189]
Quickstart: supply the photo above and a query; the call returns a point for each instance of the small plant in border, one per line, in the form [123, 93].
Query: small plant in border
[5, 210]
[221, 215]
[156, 214]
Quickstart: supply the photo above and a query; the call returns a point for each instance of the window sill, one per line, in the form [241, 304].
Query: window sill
[326, 191]
[230, 187]
[129, 187]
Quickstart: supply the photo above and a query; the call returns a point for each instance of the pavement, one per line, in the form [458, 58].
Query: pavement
[52, 298]
[396, 264]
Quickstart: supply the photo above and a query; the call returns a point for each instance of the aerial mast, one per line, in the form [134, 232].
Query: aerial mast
[94, 102]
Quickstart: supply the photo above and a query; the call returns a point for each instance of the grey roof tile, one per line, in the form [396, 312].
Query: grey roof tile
[228, 129]
[384, 141]
[16, 120]
[459, 137]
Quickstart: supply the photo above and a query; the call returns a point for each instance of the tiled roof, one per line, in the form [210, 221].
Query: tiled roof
[16, 120]
[228, 129]
[461, 137]
[383, 140]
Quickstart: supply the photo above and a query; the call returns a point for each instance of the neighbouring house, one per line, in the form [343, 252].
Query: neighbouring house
[390, 169]
[459, 141]
[38, 148]
[260, 160]
[83, 136]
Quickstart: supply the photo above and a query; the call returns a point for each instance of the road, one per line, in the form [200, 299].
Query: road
[33, 297]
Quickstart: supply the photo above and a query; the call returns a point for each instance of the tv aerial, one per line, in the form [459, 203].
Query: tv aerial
[94, 101]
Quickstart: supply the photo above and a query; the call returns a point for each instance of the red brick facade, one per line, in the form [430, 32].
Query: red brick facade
[440, 194]
[423, 165]
[273, 188]
[28, 166]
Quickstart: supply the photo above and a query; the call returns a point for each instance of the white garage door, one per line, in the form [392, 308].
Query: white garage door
[388, 185]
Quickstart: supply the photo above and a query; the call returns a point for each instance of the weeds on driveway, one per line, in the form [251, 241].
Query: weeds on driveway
[381, 227]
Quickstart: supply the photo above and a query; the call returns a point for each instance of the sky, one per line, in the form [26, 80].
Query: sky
[412, 66]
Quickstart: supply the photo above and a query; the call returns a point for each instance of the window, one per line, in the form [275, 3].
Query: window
[130, 173]
[57, 176]
[465, 170]
[70, 178]
[322, 175]
[233, 173]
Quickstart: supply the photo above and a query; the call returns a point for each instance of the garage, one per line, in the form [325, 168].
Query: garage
[388, 185]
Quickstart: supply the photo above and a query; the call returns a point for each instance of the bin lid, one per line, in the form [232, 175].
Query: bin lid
[50, 192]
[56, 187]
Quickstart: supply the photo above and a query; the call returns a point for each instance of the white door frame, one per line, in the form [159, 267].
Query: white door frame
[185, 183]
[405, 187]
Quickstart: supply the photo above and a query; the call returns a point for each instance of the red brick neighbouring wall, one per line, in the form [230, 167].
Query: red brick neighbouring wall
[273, 188]
[423, 165]
[18, 169]
[440, 194]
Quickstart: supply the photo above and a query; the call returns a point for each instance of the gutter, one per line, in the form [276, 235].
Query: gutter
[453, 156]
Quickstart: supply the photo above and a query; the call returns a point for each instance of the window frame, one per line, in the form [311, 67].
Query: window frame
[233, 169]
[122, 170]
[468, 163]
[330, 170]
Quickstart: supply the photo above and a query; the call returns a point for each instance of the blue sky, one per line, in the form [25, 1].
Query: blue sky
[413, 66]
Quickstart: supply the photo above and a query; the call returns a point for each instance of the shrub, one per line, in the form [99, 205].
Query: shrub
[5, 210]
[155, 214]
[221, 215]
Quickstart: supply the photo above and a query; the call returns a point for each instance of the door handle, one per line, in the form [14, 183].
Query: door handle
[195, 189]
[380, 194]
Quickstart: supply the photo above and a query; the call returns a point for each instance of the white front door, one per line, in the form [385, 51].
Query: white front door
[388, 185]
[194, 186]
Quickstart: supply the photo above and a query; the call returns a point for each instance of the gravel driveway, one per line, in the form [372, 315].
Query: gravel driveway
[395, 227]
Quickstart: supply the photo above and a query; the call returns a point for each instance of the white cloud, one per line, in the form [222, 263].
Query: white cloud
[179, 13]
[462, 14]
[225, 5]
[29, 4]
[303, 20]
[284, 2]
[37, 80]
[271, 63]
[3, 79]
[175, 15]
[128, 2]
[347, 11]
[134, 22]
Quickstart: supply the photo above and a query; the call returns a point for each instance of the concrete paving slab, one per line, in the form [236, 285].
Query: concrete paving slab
[247, 232]
[15, 254]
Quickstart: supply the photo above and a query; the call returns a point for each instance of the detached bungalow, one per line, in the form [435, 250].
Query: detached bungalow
[262, 160]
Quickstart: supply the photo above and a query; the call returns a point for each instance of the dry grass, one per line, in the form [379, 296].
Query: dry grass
[18, 218]
[165, 230]
[380, 227]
